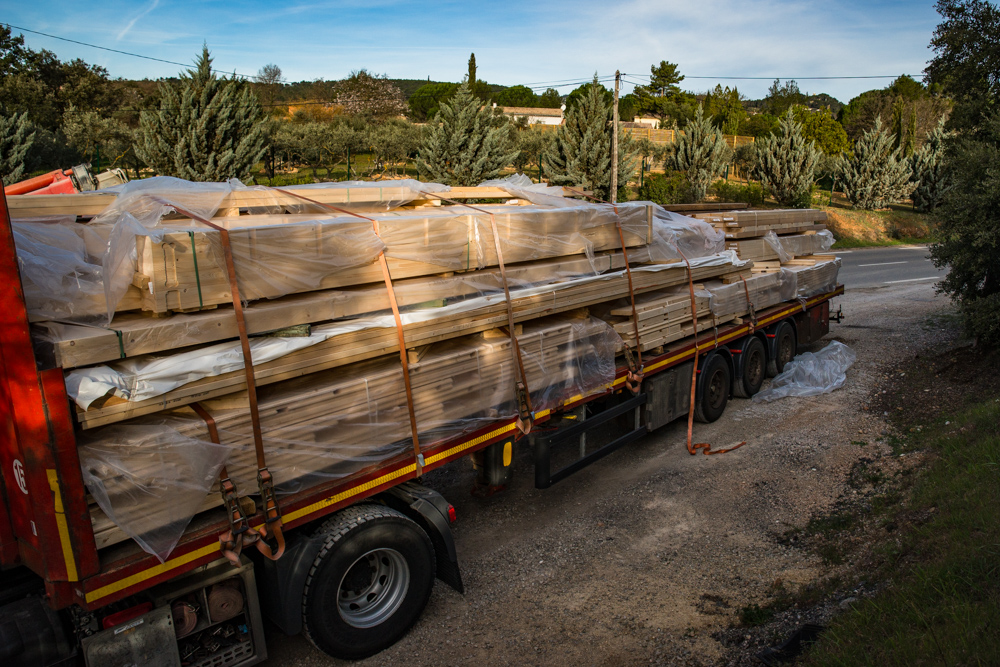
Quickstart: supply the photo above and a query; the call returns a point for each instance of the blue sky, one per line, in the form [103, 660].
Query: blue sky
[514, 41]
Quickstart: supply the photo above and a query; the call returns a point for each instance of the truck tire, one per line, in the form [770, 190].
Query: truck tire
[785, 346]
[753, 368]
[368, 584]
[713, 390]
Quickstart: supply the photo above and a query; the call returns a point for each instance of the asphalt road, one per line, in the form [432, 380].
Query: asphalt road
[879, 267]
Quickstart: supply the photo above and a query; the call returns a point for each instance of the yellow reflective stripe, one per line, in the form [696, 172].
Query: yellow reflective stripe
[344, 495]
[507, 428]
[61, 525]
[140, 577]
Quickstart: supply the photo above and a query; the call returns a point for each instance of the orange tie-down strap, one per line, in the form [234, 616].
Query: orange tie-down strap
[522, 392]
[272, 513]
[633, 380]
[705, 447]
[404, 362]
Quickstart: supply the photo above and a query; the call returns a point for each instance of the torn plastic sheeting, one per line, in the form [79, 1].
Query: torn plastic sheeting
[521, 186]
[143, 378]
[811, 374]
[150, 480]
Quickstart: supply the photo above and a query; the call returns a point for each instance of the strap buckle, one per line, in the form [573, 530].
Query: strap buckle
[231, 543]
[272, 518]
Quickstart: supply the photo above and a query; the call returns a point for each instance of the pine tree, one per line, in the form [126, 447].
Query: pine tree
[471, 142]
[16, 138]
[929, 171]
[786, 164]
[700, 152]
[878, 174]
[206, 128]
[581, 153]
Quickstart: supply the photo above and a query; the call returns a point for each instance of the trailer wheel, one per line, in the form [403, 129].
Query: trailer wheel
[369, 582]
[713, 390]
[785, 346]
[753, 368]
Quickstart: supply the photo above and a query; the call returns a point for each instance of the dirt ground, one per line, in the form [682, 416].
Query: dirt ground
[652, 556]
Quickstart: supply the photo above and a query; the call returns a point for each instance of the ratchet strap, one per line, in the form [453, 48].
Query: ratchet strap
[633, 380]
[239, 534]
[750, 308]
[417, 456]
[272, 513]
[521, 392]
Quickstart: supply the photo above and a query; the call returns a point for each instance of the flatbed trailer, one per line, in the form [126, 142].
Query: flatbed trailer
[45, 524]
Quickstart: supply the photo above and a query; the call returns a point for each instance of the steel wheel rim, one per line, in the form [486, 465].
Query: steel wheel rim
[373, 588]
[716, 391]
[755, 369]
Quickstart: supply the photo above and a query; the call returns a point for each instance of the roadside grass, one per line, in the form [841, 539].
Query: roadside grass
[942, 601]
[897, 225]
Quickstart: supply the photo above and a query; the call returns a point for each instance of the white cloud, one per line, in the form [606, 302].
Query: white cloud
[141, 14]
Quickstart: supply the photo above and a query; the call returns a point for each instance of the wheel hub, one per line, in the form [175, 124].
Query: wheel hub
[373, 588]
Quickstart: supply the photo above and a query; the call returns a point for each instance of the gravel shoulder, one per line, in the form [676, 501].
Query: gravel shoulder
[650, 555]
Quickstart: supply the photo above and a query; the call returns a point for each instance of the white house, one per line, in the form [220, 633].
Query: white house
[534, 115]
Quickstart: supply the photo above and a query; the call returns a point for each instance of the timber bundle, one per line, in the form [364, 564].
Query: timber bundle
[133, 297]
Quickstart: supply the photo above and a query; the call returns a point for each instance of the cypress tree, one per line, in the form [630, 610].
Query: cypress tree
[580, 155]
[206, 128]
[469, 144]
[700, 152]
[786, 164]
[16, 138]
[878, 174]
[929, 171]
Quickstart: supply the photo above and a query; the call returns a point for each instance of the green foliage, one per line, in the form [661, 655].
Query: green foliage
[969, 230]
[967, 59]
[930, 172]
[471, 142]
[878, 174]
[577, 95]
[781, 97]
[550, 99]
[725, 106]
[941, 604]
[908, 109]
[700, 152]
[205, 129]
[821, 127]
[787, 163]
[427, 99]
[745, 158]
[17, 136]
[90, 134]
[663, 97]
[759, 125]
[471, 77]
[391, 144]
[531, 146]
[319, 145]
[516, 96]
[581, 152]
[752, 193]
[665, 189]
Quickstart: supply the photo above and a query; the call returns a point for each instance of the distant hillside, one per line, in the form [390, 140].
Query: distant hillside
[301, 90]
[817, 101]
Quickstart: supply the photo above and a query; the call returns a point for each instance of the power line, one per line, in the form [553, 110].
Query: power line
[124, 53]
[784, 78]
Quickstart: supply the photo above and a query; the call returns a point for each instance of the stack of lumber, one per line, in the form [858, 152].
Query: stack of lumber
[332, 402]
[329, 425]
[749, 224]
[761, 250]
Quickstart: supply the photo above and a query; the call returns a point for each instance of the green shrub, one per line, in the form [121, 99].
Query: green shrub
[666, 189]
[752, 193]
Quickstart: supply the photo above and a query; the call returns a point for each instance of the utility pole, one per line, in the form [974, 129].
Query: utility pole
[614, 142]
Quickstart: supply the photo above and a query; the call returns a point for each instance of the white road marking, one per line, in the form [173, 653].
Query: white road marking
[882, 264]
[911, 280]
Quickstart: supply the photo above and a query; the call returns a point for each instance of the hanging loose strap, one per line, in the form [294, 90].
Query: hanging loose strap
[521, 390]
[705, 447]
[750, 308]
[393, 304]
[272, 513]
[635, 367]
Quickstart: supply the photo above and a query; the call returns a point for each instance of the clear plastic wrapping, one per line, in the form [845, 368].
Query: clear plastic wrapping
[329, 425]
[764, 290]
[817, 279]
[811, 374]
[150, 479]
[793, 245]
